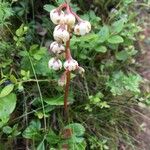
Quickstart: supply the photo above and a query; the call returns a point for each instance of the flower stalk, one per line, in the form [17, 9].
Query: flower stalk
[68, 74]
[65, 20]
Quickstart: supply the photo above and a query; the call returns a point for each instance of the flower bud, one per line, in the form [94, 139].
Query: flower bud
[81, 70]
[55, 64]
[61, 34]
[61, 82]
[69, 19]
[57, 48]
[71, 65]
[56, 16]
[82, 28]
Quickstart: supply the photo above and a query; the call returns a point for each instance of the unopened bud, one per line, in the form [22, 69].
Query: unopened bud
[61, 82]
[81, 70]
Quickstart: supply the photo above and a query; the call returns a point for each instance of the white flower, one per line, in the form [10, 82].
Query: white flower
[55, 64]
[69, 19]
[61, 34]
[57, 48]
[61, 82]
[82, 28]
[57, 16]
[71, 65]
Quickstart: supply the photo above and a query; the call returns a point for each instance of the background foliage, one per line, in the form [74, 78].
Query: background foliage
[31, 103]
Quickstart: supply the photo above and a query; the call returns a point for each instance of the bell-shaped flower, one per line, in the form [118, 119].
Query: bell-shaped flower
[61, 34]
[57, 16]
[54, 64]
[69, 19]
[71, 65]
[56, 48]
[82, 28]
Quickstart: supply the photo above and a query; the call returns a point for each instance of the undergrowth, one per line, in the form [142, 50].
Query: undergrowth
[101, 101]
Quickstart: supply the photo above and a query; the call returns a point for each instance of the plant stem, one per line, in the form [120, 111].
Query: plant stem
[68, 56]
[66, 93]
[77, 17]
[40, 93]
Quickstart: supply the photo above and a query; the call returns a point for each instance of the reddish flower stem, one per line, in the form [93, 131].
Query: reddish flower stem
[68, 73]
[62, 6]
[77, 17]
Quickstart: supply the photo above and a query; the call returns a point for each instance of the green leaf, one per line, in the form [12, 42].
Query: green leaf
[117, 26]
[120, 83]
[52, 138]
[48, 7]
[76, 141]
[78, 146]
[6, 90]
[83, 56]
[7, 105]
[57, 101]
[32, 131]
[7, 129]
[101, 49]
[41, 146]
[104, 104]
[78, 129]
[2, 81]
[20, 31]
[116, 39]
[122, 55]
[104, 34]
[13, 79]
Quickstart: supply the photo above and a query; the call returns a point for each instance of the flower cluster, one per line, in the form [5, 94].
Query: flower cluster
[66, 22]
